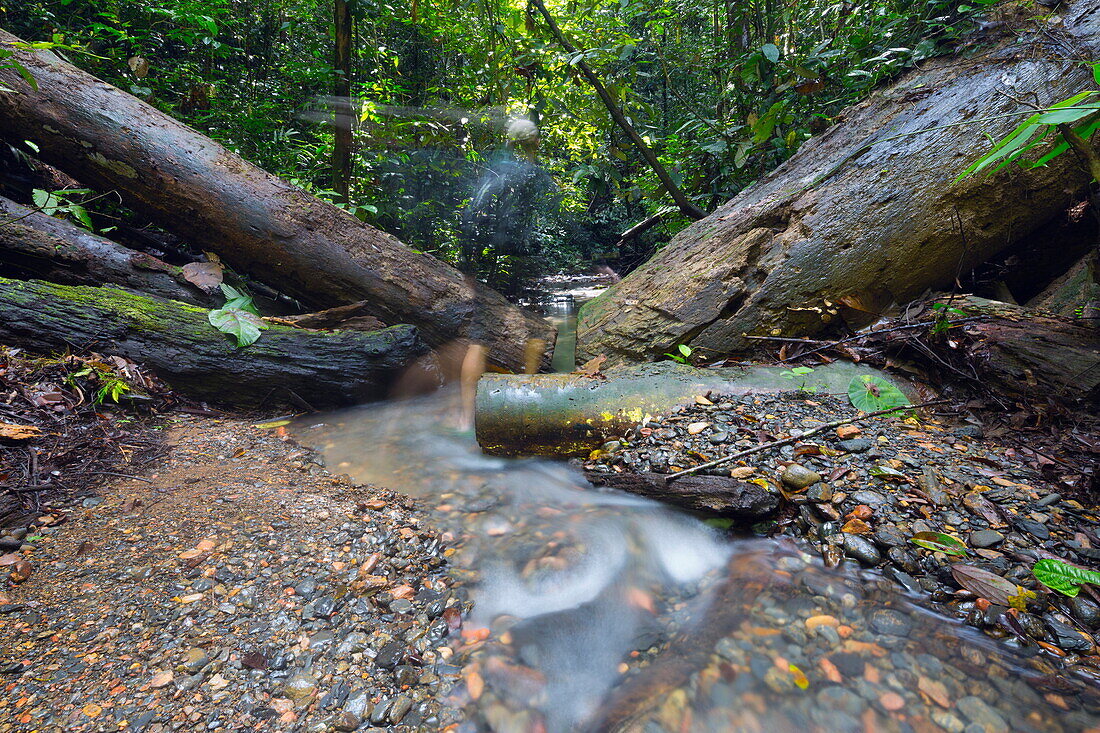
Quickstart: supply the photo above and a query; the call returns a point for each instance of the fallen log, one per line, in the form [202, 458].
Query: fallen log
[33, 244]
[866, 214]
[1016, 351]
[256, 222]
[719, 495]
[572, 414]
[320, 368]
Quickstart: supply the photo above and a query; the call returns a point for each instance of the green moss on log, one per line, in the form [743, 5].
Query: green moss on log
[325, 368]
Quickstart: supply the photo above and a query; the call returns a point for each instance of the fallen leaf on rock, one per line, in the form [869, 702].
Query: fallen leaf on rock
[856, 526]
[742, 471]
[8, 431]
[254, 660]
[861, 512]
[984, 583]
[700, 400]
[162, 679]
[403, 591]
[591, 368]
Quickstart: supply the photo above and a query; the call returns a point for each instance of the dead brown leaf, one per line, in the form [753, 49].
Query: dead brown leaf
[206, 276]
[9, 431]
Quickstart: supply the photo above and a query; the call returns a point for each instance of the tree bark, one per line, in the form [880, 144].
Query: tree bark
[33, 244]
[257, 223]
[343, 122]
[321, 368]
[868, 211]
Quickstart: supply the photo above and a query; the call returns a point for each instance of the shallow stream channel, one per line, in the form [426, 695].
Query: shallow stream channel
[589, 609]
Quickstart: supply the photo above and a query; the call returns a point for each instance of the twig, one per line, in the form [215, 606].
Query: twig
[795, 439]
[122, 475]
[869, 334]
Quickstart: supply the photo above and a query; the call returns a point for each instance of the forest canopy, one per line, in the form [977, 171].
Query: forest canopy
[424, 93]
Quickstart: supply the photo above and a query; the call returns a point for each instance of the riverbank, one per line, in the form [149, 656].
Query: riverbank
[237, 585]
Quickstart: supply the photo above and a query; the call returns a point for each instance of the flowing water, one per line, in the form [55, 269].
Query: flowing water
[610, 612]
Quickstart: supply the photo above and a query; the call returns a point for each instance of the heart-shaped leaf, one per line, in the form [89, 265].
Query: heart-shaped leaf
[1060, 576]
[939, 542]
[871, 394]
[240, 323]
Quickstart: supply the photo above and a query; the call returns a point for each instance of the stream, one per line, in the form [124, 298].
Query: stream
[604, 611]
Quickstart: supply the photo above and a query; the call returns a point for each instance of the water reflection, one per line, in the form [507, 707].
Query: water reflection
[609, 612]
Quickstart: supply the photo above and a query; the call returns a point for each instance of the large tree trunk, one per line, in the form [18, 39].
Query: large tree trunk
[259, 224]
[33, 244]
[847, 222]
[325, 369]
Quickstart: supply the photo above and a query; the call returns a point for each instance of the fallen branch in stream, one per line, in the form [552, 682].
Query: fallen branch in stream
[795, 438]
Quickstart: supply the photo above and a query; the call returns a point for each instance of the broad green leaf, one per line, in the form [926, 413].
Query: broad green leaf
[886, 472]
[1065, 116]
[871, 394]
[81, 215]
[1096, 72]
[240, 323]
[939, 542]
[770, 51]
[1060, 576]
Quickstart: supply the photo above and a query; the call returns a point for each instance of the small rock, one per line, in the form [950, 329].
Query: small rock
[986, 538]
[978, 712]
[1033, 528]
[345, 721]
[300, 687]
[862, 549]
[195, 660]
[1085, 611]
[856, 445]
[886, 621]
[798, 477]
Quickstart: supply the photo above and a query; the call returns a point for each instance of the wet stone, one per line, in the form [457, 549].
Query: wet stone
[871, 498]
[888, 535]
[1085, 610]
[1067, 637]
[886, 621]
[986, 538]
[300, 687]
[857, 445]
[861, 549]
[390, 655]
[978, 712]
[307, 588]
[820, 492]
[797, 477]
[1033, 528]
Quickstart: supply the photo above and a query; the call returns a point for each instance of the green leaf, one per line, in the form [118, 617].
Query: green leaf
[1060, 576]
[684, 349]
[244, 325]
[770, 51]
[1096, 72]
[871, 394]
[939, 542]
[81, 215]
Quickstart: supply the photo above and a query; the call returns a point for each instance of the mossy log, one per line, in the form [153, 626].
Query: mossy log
[323, 368]
[259, 224]
[865, 214]
[33, 244]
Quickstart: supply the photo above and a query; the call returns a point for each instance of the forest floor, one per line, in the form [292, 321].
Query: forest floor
[234, 586]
